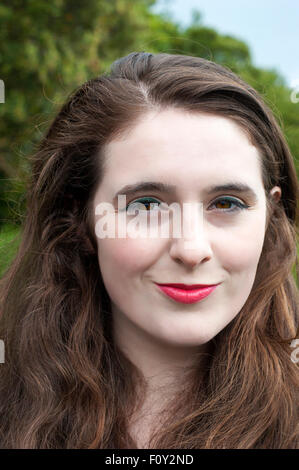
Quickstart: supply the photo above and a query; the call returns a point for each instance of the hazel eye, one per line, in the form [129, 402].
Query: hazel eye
[225, 204]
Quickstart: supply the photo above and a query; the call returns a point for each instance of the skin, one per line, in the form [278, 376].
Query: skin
[192, 151]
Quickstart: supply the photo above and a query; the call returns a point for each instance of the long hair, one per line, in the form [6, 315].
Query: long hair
[64, 383]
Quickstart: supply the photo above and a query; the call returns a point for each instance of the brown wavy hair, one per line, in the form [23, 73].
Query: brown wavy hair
[64, 383]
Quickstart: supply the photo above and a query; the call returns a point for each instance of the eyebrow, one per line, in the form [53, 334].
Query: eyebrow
[131, 189]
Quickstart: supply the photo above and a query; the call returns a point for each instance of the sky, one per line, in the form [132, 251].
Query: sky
[269, 27]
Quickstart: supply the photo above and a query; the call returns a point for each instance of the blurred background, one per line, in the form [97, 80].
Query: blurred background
[49, 48]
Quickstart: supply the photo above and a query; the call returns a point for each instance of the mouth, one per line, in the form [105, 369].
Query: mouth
[187, 294]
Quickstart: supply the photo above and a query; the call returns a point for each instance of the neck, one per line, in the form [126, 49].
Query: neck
[162, 364]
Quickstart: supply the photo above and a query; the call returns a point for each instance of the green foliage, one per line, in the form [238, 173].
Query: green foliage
[9, 241]
[47, 50]
[50, 48]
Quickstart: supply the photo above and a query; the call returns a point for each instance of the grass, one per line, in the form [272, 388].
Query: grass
[9, 242]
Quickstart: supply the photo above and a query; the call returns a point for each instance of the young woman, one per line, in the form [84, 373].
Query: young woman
[103, 349]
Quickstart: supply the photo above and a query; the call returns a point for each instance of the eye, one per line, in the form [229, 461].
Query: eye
[150, 204]
[225, 204]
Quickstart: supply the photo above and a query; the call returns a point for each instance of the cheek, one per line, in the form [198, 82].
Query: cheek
[123, 262]
[127, 257]
[239, 256]
[242, 248]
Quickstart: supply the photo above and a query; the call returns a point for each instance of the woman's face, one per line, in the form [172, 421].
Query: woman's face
[194, 153]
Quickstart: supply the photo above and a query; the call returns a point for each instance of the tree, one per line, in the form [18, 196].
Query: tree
[47, 50]
[50, 48]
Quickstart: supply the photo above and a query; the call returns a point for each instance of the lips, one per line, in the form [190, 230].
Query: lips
[187, 294]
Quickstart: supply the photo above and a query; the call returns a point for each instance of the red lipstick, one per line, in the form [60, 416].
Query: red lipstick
[187, 294]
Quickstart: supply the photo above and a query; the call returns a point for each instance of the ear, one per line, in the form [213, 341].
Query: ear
[275, 193]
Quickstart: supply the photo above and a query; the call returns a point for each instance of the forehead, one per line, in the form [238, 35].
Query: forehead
[180, 145]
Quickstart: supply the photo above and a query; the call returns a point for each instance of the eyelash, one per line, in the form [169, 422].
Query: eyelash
[238, 204]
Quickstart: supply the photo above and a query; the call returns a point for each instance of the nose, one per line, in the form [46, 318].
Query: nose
[193, 246]
[191, 252]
